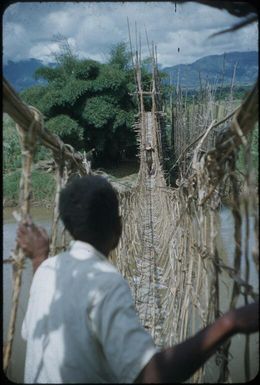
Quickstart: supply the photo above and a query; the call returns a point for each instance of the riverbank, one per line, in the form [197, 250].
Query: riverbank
[43, 183]
[122, 176]
[43, 187]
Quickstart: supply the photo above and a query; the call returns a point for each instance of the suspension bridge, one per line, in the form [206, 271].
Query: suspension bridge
[168, 250]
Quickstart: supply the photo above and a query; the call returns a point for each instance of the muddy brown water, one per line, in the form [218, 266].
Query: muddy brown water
[43, 216]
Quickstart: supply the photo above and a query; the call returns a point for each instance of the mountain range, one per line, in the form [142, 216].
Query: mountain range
[20, 74]
[214, 68]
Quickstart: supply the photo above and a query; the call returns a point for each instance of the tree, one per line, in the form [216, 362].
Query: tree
[120, 56]
[88, 103]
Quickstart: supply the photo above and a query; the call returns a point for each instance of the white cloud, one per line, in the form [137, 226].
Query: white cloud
[93, 27]
[15, 35]
[45, 53]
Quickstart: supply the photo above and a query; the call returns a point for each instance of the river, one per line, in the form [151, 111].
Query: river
[42, 217]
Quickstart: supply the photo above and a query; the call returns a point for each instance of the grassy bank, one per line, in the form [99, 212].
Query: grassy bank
[43, 187]
[43, 183]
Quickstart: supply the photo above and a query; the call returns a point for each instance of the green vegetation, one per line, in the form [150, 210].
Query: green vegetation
[11, 187]
[11, 145]
[43, 184]
[93, 105]
[195, 95]
[238, 92]
[43, 187]
[88, 104]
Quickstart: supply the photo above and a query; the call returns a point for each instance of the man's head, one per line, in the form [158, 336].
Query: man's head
[89, 210]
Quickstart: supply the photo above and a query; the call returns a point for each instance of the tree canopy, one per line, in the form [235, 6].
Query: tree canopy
[90, 104]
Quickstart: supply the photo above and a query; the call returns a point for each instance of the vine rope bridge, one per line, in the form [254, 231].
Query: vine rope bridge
[169, 250]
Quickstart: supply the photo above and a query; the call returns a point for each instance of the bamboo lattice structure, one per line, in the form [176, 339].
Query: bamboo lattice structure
[169, 249]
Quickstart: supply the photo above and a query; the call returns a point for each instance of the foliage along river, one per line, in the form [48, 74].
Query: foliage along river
[42, 216]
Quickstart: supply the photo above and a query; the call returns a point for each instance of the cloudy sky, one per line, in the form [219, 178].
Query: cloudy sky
[92, 28]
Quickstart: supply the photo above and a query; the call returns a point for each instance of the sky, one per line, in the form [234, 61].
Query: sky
[181, 33]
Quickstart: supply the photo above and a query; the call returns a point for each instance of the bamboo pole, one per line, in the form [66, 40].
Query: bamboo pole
[28, 142]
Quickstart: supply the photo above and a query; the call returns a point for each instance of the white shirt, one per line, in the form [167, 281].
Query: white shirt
[81, 325]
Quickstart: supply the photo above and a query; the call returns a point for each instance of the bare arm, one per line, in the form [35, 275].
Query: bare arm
[34, 241]
[178, 363]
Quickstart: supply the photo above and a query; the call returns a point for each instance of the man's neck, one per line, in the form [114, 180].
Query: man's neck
[101, 248]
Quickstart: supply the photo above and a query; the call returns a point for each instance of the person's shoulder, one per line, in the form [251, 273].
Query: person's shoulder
[105, 265]
[107, 270]
[44, 275]
[107, 275]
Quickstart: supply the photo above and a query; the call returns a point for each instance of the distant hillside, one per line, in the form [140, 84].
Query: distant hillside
[211, 68]
[21, 74]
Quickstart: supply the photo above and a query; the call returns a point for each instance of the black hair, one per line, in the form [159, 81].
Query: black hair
[89, 209]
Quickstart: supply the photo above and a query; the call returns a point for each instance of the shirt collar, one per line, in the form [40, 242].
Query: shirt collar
[83, 250]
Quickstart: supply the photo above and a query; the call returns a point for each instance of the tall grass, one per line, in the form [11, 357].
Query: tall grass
[12, 150]
[11, 146]
[43, 184]
[43, 187]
